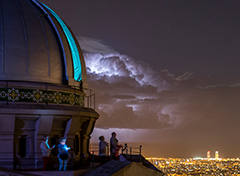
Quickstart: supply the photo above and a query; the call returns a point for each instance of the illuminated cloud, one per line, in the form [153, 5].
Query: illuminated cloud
[94, 46]
[129, 92]
[132, 94]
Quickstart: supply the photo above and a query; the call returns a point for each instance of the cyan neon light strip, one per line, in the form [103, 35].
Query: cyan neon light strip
[72, 44]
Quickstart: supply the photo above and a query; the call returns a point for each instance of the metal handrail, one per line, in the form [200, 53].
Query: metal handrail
[133, 151]
[94, 147]
[94, 150]
[90, 97]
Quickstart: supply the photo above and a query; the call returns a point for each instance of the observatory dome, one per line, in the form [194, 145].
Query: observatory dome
[36, 45]
[43, 89]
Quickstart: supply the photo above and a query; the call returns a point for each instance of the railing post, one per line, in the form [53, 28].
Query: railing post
[92, 159]
[90, 98]
[72, 159]
[140, 152]
[88, 102]
[7, 92]
[46, 94]
[74, 96]
[130, 152]
[94, 101]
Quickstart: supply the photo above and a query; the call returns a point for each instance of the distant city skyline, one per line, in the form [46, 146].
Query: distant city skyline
[199, 166]
[166, 73]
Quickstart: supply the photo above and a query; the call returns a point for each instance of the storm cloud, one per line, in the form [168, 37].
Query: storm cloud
[133, 94]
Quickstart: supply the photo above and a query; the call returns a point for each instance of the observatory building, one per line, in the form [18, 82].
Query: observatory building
[43, 88]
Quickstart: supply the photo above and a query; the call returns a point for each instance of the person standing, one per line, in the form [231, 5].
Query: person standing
[45, 152]
[102, 149]
[113, 145]
[62, 154]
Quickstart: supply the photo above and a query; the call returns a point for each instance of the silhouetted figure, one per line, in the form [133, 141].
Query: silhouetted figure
[114, 146]
[45, 152]
[102, 149]
[62, 153]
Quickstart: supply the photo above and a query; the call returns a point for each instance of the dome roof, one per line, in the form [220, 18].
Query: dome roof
[36, 45]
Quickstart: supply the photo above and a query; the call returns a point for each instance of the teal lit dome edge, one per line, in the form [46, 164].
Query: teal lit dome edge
[71, 41]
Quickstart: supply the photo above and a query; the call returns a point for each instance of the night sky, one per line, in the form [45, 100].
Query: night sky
[165, 72]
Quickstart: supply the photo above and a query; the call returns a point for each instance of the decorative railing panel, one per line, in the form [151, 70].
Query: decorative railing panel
[41, 96]
[11, 91]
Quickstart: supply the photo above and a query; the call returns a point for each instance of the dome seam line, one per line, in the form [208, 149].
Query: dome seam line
[46, 39]
[25, 33]
[59, 37]
[2, 41]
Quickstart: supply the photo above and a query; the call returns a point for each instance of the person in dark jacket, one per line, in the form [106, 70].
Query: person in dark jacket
[62, 154]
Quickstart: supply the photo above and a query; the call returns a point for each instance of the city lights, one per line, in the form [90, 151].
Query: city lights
[197, 166]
